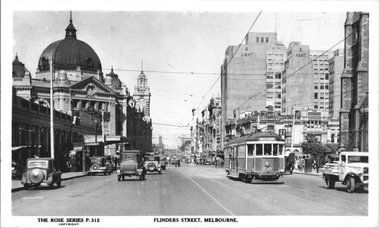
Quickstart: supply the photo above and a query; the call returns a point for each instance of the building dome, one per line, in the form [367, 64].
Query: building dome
[115, 81]
[69, 53]
[18, 68]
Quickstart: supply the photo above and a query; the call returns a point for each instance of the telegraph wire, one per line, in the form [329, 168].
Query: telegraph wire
[230, 59]
[300, 67]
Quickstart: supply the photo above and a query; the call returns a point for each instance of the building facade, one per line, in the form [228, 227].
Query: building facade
[321, 78]
[244, 76]
[276, 57]
[298, 79]
[102, 107]
[354, 83]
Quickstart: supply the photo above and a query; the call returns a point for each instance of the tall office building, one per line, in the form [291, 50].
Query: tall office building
[244, 76]
[276, 57]
[321, 78]
[298, 79]
[335, 71]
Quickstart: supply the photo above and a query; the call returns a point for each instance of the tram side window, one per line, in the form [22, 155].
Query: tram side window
[268, 149]
[275, 149]
[241, 151]
[250, 150]
[259, 149]
[281, 149]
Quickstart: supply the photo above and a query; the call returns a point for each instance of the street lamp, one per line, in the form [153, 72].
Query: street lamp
[96, 135]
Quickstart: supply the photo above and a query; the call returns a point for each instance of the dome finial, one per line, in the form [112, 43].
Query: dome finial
[142, 66]
[70, 30]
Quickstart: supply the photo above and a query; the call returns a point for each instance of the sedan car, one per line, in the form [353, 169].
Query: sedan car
[100, 165]
[40, 171]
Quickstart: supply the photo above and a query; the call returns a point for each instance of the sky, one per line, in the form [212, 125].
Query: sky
[180, 51]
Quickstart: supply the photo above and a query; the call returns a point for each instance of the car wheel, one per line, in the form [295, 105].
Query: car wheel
[329, 182]
[351, 185]
[118, 177]
[59, 184]
[159, 172]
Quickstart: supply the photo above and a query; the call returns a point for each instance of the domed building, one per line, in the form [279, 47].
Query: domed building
[91, 113]
[74, 56]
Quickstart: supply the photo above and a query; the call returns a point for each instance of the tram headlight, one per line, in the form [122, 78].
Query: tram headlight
[267, 164]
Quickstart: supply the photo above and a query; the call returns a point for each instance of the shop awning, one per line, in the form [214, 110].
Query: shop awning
[91, 140]
[14, 148]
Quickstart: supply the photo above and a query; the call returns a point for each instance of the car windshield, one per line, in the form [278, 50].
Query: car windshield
[38, 164]
[96, 161]
[129, 157]
[357, 159]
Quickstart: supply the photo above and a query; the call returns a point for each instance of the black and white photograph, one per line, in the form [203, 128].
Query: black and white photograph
[189, 113]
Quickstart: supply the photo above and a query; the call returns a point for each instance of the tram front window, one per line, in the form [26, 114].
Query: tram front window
[267, 149]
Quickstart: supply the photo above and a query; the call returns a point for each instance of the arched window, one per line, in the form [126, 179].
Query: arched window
[89, 63]
[45, 63]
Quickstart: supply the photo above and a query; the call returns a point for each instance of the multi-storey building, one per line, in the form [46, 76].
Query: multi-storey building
[321, 78]
[298, 79]
[243, 76]
[103, 106]
[354, 81]
[276, 57]
[335, 70]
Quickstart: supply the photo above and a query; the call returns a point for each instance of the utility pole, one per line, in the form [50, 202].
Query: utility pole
[293, 127]
[51, 110]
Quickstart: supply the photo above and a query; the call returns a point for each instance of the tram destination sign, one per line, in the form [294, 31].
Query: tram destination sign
[267, 139]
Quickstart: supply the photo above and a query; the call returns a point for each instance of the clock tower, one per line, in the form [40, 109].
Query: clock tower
[142, 94]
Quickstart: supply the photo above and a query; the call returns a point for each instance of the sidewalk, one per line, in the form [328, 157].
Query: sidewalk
[313, 173]
[17, 186]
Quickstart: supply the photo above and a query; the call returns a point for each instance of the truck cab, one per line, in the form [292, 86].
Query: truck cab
[351, 169]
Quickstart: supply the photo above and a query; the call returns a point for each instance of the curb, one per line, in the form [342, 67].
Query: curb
[62, 179]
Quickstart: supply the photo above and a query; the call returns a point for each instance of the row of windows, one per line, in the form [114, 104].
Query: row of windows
[321, 96]
[264, 149]
[321, 86]
[262, 39]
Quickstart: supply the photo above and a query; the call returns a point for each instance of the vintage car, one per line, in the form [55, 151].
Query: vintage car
[40, 171]
[163, 162]
[152, 163]
[351, 170]
[100, 165]
[131, 164]
[175, 161]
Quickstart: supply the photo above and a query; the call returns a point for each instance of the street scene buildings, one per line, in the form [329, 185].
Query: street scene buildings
[285, 132]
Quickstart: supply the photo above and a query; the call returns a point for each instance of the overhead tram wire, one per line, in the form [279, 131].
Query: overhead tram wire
[230, 59]
[298, 68]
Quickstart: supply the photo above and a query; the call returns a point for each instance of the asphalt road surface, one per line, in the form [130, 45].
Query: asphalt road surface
[201, 190]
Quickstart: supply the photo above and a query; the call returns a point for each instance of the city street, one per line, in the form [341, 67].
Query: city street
[201, 190]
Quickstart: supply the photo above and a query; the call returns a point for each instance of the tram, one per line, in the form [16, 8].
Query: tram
[256, 158]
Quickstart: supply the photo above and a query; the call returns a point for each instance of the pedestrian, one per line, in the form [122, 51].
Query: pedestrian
[192, 162]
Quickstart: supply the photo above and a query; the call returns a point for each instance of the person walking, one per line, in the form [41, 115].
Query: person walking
[192, 162]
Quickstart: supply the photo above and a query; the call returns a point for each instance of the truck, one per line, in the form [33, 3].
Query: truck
[351, 169]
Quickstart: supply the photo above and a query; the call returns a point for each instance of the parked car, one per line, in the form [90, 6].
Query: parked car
[40, 171]
[100, 165]
[152, 163]
[163, 162]
[131, 164]
[351, 170]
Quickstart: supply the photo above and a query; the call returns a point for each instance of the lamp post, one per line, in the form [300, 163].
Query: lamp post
[96, 136]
